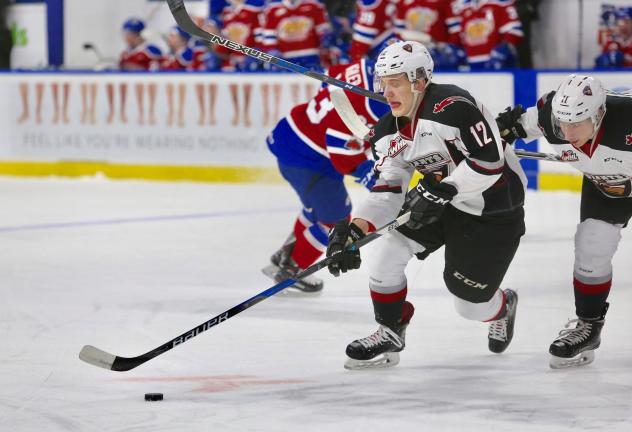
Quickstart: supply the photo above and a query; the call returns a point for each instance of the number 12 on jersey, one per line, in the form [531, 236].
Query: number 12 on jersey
[480, 128]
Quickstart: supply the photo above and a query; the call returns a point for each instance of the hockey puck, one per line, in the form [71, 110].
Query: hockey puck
[151, 397]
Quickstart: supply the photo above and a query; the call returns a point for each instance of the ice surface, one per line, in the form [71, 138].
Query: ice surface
[125, 266]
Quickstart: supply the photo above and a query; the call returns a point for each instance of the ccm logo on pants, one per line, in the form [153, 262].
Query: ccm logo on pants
[469, 282]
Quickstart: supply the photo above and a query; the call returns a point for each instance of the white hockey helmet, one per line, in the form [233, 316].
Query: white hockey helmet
[409, 57]
[578, 98]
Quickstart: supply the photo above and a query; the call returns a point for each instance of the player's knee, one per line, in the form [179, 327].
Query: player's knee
[596, 242]
[387, 264]
[468, 288]
[479, 311]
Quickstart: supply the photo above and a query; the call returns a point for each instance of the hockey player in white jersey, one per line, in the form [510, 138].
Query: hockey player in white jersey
[591, 130]
[470, 200]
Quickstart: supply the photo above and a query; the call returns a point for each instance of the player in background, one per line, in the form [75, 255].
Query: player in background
[314, 150]
[373, 25]
[591, 130]
[616, 43]
[427, 21]
[241, 21]
[180, 58]
[137, 56]
[470, 200]
[298, 31]
[205, 60]
[488, 31]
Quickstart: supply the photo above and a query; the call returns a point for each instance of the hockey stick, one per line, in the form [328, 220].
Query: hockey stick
[100, 358]
[185, 22]
[357, 127]
[524, 154]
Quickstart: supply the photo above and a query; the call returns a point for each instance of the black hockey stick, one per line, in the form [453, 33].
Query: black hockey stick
[524, 154]
[358, 128]
[185, 22]
[100, 358]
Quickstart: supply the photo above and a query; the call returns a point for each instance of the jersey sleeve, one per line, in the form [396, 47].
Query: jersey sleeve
[345, 151]
[538, 121]
[509, 26]
[269, 36]
[321, 20]
[453, 22]
[386, 198]
[479, 141]
[529, 122]
[364, 33]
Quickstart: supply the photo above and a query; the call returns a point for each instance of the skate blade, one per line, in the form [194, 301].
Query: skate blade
[270, 271]
[292, 291]
[297, 292]
[383, 361]
[581, 359]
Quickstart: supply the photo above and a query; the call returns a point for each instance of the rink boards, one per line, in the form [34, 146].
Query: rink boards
[190, 126]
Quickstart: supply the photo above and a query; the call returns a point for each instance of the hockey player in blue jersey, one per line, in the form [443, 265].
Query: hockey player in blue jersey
[314, 151]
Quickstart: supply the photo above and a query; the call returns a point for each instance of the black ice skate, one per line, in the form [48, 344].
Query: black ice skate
[283, 267]
[576, 346]
[381, 349]
[501, 330]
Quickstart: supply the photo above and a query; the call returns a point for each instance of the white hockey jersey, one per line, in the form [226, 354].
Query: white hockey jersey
[607, 159]
[456, 139]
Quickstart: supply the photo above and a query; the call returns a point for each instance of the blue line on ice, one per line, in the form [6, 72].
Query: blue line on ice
[162, 218]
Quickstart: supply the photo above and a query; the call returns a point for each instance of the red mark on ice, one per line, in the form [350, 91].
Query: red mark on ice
[214, 384]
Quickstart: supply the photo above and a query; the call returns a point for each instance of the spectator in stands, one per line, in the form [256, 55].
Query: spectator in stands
[373, 24]
[616, 39]
[299, 31]
[428, 21]
[527, 13]
[341, 15]
[489, 31]
[137, 56]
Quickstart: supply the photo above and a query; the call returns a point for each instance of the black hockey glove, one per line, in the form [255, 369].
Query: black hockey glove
[426, 201]
[341, 236]
[508, 124]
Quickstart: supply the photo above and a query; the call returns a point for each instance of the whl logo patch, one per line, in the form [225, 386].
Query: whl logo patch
[569, 156]
[440, 106]
[396, 146]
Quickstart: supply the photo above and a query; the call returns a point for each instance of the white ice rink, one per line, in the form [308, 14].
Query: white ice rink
[126, 266]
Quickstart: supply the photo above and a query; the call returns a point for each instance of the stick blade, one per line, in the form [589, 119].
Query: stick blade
[345, 110]
[96, 357]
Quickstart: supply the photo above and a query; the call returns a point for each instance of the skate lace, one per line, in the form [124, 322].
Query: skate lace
[572, 336]
[498, 330]
[383, 334]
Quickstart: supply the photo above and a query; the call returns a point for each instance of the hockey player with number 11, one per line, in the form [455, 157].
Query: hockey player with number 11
[470, 200]
[591, 130]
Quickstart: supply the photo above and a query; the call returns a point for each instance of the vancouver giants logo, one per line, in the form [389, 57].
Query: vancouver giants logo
[569, 156]
[628, 139]
[440, 106]
[396, 146]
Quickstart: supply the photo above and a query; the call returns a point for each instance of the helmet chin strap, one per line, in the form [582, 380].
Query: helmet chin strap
[597, 121]
[417, 97]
